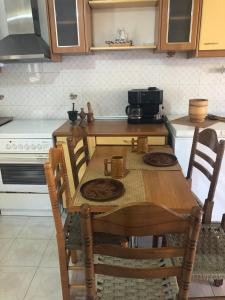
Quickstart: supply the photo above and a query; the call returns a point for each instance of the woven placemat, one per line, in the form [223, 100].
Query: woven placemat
[134, 189]
[186, 121]
[135, 161]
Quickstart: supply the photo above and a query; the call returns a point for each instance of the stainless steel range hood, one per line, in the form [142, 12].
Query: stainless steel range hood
[23, 30]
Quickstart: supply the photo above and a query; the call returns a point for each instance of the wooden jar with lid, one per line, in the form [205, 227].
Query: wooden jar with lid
[198, 109]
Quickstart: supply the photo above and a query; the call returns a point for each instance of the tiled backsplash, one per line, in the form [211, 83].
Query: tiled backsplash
[41, 90]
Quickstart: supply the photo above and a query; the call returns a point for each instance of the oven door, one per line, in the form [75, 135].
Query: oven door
[23, 173]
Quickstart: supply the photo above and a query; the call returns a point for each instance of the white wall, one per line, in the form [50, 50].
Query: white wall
[42, 90]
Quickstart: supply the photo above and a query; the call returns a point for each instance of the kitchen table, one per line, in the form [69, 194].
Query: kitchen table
[164, 187]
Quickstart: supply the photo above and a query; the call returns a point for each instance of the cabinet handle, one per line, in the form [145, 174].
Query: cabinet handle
[213, 43]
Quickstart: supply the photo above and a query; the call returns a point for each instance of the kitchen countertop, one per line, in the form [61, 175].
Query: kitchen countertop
[115, 128]
[188, 131]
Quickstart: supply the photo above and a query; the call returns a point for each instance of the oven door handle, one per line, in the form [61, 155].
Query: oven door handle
[22, 159]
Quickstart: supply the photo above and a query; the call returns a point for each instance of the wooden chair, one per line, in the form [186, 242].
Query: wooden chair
[78, 153]
[134, 273]
[66, 231]
[210, 262]
[208, 138]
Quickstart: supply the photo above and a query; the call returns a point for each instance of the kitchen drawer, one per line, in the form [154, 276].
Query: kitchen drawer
[126, 140]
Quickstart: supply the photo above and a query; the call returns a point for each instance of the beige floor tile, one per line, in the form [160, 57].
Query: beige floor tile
[4, 247]
[10, 227]
[46, 285]
[15, 281]
[25, 253]
[200, 289]
[219, 291]
[50, 257]
[38, 228]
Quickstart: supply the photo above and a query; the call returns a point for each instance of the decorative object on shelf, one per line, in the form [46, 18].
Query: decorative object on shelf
[90, 114]
[198, 109]
[73, 113]
[121, 40]
[82, 116]
[160, 159]
[102, 189]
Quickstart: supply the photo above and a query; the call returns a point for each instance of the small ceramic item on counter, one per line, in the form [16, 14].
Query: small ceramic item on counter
[118, 167]
[90, 114]
[82, 115]
[140, 145]
[73, 113]
[198, 109]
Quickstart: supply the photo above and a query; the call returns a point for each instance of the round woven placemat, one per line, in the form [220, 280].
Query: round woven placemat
[102, 189]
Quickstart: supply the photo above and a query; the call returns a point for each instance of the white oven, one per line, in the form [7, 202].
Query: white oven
[24, 146]
[22, 173]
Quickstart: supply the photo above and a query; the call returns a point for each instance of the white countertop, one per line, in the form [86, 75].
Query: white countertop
[29, 129]
[184, 131]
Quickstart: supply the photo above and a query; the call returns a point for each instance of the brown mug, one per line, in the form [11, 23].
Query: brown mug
[140, 145]
[118, 167]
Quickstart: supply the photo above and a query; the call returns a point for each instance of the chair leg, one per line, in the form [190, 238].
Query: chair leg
[218, 282]
[74, 257]
[64, 277]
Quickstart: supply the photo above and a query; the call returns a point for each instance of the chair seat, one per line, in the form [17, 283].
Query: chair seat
[73, 236]
[114, 288]
[210, 254]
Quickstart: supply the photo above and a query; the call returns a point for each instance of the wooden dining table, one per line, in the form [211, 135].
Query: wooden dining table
[164, 187]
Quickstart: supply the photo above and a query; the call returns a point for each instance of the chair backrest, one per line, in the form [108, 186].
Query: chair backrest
[208, 138]
[78, 152]
[58, 186]
[140, 219]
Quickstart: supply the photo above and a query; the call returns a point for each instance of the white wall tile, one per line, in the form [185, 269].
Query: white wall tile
[41, 90]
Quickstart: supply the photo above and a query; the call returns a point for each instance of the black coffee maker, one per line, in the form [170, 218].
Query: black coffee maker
[145, 105]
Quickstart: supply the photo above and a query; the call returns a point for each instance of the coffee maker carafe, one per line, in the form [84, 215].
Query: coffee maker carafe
[134, 112]
[144, 106]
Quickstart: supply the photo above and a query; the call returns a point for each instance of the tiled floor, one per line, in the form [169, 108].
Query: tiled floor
[29, 262]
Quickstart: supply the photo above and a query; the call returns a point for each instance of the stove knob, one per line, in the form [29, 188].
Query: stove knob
[20, 147]
[39, 147]
[33, 147]
[8, 146]
[14, 147]
[26, 147]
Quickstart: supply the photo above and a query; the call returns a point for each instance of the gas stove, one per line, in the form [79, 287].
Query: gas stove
[27, 136]
[24, 146]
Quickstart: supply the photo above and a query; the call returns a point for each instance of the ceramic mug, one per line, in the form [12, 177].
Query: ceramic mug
[140, 145]
[118, 167]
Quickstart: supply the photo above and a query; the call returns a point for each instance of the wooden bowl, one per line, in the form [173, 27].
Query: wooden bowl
[198, 109]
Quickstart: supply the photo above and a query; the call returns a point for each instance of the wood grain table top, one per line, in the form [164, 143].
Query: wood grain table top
[169, 188]
[114, 128]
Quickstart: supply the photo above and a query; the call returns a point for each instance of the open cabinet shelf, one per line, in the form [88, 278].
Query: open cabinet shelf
[122, 3]
[111, 48]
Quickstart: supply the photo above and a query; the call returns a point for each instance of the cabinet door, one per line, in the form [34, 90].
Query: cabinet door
[179, 19]
[67, 25]
[212, 33]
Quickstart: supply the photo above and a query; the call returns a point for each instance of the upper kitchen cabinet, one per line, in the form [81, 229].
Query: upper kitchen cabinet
[212, 28]
[69, 26]
[178, 20]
